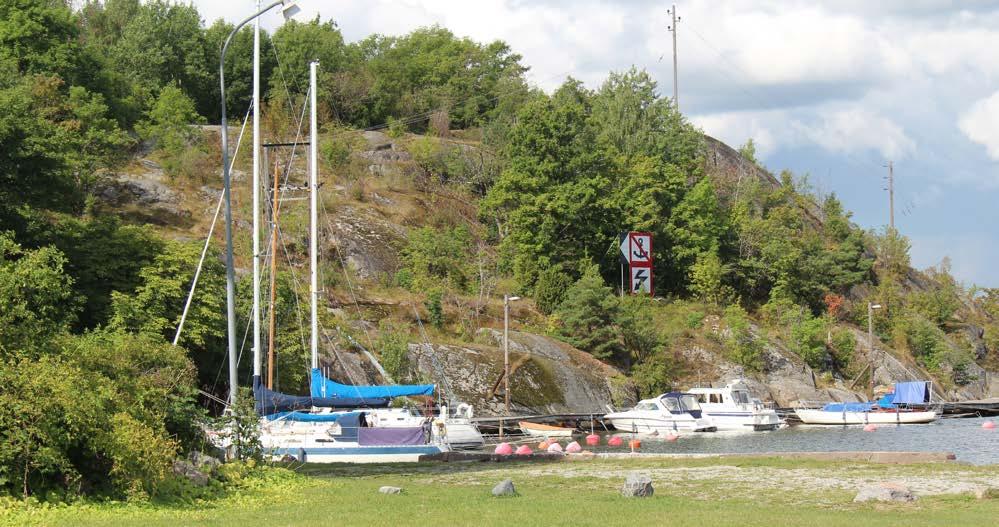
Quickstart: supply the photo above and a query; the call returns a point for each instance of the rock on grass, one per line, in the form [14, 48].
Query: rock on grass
[504, 488]
[390, 490]
[637, 486]
[885, 492]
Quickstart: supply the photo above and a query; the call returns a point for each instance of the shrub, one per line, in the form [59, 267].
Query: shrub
[393, 351]
[550, 289]
[435, 308]
[588, 316]
[808, 340]
[741, 346]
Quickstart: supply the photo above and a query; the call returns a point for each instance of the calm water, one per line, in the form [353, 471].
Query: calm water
[963, 437]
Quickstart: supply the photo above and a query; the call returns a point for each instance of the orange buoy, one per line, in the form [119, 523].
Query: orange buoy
[614, 441]
[989, 425]
[635, 444]
[592, 439]
[544, 445]
[870, 427]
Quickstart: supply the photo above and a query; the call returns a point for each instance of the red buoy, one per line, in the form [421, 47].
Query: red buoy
[615, 441]
[870, 427]
[592, 439]
[989, 425]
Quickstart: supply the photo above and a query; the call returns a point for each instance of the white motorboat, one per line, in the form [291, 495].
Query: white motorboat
[670, 412]
[732, 408]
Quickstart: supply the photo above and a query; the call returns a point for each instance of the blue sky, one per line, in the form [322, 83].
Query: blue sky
[832, 89]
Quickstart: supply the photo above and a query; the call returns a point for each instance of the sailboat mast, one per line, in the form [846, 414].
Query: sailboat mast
[313, 217]
[256, 195]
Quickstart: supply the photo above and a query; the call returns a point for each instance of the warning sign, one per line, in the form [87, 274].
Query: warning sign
[641, 280]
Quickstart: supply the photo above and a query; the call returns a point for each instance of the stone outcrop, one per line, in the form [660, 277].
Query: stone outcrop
[547, 376]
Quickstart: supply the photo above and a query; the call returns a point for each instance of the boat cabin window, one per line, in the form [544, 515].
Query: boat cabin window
[716, 398]
[646, 405]
[741, 397]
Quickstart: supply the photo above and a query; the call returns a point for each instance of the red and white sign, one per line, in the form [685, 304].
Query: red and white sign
[636, 250]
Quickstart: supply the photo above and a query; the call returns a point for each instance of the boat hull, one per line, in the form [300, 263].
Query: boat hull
[348, 453]
[536, 430]
[822, 417]
[734, 420]
[649, 424]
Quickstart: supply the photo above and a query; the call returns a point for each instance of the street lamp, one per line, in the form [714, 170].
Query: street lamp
[506, 356]
[288, 9]
[870, 339]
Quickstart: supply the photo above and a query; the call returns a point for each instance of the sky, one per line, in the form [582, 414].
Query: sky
[828, 89]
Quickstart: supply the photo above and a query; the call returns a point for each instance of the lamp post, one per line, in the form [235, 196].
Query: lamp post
[506, 357]
[870, 339]
[289, 9]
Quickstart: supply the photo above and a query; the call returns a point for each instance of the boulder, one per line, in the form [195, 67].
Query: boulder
[504, 488]
[390, 490]
[885, 492]
[204, 462]
[186, 469]
[637, 486]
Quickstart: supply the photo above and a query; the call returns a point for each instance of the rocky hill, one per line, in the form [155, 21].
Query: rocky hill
[367, 222]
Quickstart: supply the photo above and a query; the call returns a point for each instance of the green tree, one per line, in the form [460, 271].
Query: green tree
[588, 314]
[707, 277]
[168, 124]
[550, 289]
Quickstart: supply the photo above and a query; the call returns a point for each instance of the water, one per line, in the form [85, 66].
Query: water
[963, 437]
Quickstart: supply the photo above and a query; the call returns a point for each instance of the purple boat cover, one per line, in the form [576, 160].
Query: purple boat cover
[390, 436]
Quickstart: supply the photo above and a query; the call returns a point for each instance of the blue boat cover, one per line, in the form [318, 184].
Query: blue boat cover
[269, 402]
[917, 392]
[325, 388]
[847, 407]
[305, 417]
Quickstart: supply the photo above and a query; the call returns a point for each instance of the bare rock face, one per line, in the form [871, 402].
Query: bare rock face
[369, 244]
[145, 196]
[546, 376]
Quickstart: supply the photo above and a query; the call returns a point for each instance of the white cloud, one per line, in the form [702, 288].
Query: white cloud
[855, 130]
[981, 124]
[736, 128]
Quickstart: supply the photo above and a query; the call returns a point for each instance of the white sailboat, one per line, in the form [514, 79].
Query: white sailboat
[335, 422]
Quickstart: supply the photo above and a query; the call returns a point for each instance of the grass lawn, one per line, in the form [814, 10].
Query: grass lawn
[702, 493]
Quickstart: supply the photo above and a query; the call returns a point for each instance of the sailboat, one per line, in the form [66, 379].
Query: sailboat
[338, 422]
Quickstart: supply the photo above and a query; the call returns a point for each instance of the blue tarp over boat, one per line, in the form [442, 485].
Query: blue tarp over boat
[847, 407]
[270, 402]
[917, 392]
[325, 388]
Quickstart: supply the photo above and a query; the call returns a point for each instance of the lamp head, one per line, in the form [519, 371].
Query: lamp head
[513, 298]
[289, 9]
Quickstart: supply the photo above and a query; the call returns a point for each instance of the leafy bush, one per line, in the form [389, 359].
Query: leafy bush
[168, 124]
[741, 346]
[435, 258]
[393, 351]
[435, 308]
[808, 340]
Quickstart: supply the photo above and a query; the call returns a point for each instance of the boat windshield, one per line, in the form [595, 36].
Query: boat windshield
[646, 405]
[741, 397]
[689, 402]
[673, 405]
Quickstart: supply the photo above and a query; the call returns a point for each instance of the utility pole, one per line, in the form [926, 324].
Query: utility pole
[870, 340]
[672, 29]
[891, 195]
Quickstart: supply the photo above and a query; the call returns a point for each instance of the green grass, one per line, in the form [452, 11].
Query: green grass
[569, 493]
